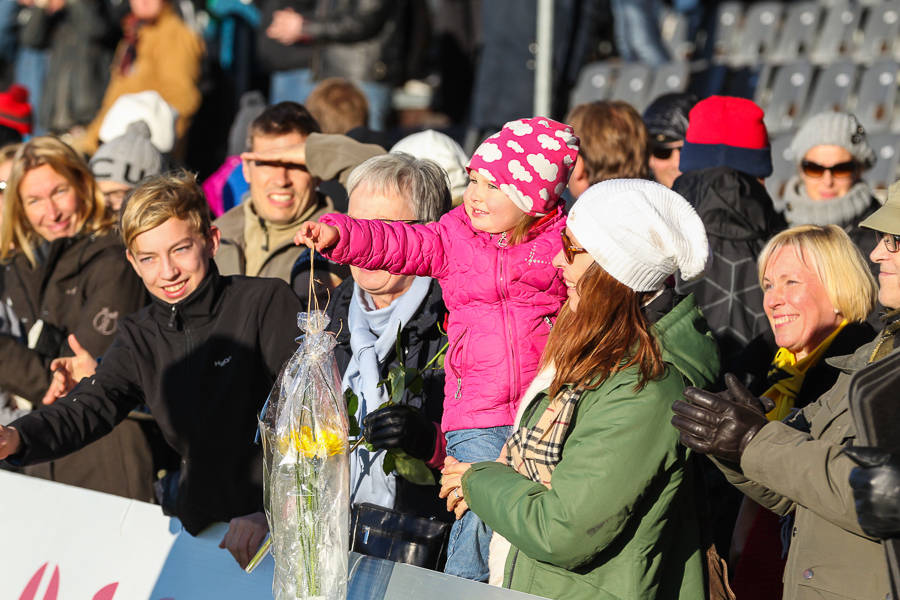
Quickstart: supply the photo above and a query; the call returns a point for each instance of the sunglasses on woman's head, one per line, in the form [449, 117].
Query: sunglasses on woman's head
[890, 240]
[569, 250]
[839, 171]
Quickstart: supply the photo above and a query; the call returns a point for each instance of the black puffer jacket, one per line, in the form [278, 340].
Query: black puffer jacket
[739, 218]
[420, 340]
[204, 366]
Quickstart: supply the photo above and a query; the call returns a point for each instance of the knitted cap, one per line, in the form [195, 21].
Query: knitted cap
[530, 161]
[129, 158]
[443, 150]
[886, 218]
[15, 112]
[640, 232]
[833, 129]
[667, 118]
[147, 106]
[725, 131]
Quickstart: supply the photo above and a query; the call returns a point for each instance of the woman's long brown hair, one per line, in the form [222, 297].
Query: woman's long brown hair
[607, 333]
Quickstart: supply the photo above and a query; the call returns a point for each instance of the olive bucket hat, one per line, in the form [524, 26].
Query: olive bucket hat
[887, 218]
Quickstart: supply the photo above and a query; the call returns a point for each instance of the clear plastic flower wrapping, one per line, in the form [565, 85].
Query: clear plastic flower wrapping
[307, 471]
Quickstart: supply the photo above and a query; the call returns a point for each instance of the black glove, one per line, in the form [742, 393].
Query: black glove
[876, 489]
[401, 426]
[720, 424]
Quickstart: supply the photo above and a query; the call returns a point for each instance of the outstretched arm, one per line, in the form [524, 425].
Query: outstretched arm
[399, 248]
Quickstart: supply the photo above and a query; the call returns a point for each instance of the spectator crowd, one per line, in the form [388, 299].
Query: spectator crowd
[633, 366]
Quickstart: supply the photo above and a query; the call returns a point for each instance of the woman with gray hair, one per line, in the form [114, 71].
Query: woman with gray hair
[831, 152]
[368, 311]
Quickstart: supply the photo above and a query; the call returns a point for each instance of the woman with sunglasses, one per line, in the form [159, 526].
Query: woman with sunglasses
[591, 491]
[832, 152]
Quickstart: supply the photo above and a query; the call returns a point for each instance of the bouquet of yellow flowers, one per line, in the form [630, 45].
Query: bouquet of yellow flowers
[307, 484]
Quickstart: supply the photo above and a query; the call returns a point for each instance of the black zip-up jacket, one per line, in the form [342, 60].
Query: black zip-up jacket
[205, 367]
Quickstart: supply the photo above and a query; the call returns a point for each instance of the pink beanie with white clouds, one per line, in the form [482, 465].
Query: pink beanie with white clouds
[530, 161]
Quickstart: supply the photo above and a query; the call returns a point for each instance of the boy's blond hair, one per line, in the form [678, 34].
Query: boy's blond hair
[160, 198]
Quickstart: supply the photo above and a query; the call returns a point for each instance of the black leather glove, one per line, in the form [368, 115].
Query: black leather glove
[720, 424]
[876, 489]
[401, 426]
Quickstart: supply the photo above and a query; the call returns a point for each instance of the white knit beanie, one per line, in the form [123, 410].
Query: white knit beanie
[640, 232]
[833, 129]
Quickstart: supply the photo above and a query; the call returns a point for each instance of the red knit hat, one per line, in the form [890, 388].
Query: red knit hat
[15, 112]
[724, 131]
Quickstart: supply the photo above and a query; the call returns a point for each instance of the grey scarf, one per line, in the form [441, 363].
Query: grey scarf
[843, 211]
[373, 335]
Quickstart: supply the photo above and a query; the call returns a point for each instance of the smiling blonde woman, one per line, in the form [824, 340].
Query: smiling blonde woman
[66, 274]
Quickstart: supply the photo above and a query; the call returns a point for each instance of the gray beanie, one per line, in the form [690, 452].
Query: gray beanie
[129, 158]
[833, 129]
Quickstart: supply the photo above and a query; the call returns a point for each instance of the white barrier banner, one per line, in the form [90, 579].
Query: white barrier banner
[65, 543]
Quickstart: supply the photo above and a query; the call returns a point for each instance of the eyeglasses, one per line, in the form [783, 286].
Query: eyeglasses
[569, 251]
[891, 241]
[663, 153]
[407, 221]
[839, 171]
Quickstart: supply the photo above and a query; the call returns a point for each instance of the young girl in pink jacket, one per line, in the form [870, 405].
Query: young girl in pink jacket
[492, 257]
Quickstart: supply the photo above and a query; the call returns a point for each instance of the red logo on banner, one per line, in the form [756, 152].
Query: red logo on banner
[30, 591]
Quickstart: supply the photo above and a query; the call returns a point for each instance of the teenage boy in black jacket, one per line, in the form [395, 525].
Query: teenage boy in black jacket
[203, 356]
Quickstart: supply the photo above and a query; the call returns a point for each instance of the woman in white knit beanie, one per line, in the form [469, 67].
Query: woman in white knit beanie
[591, 490]
[831, 152]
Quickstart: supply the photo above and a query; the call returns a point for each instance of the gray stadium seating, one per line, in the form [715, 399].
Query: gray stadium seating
[785, 103]
[877, 95]
[798, 33]
[833, 88]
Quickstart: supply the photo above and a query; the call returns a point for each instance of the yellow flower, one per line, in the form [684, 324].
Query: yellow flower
[326, 443]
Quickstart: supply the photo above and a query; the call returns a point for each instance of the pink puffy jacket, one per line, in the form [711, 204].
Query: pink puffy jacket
[502, 301]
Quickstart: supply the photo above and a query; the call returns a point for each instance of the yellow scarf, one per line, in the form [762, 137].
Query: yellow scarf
[788, 373]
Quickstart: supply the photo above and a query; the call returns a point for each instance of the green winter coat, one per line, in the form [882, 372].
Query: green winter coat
[619, 522]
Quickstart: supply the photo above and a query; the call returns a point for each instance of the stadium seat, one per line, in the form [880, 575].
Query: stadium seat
[728, 19]
[798, 34]
[876, 96]
[785, 102]
[833, 87]
[884, 173]
[633, 84]
[836, 38]
[757, 37]
[668, 79]
[594, 83]
[879, 35]
[782, 168]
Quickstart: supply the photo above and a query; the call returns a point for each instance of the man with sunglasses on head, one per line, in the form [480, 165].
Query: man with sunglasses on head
[258, 234]
[667, 121]
[799, 465]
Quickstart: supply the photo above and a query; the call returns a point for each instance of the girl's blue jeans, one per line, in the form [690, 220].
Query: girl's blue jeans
[470, 538]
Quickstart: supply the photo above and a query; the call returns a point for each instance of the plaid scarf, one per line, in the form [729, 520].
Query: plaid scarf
[535, 452]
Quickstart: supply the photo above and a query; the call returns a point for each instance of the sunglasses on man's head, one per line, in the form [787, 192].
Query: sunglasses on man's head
[839, 171]
[891, 241]
[663, 153]
[569, 249]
